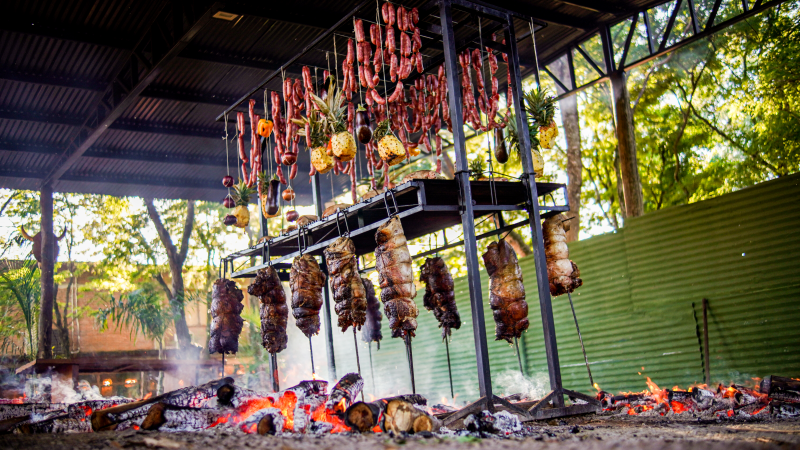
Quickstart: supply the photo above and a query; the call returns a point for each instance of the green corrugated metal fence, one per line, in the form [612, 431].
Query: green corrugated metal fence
[640, 308]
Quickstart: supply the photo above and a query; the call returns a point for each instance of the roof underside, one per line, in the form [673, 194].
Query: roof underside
[58, 58]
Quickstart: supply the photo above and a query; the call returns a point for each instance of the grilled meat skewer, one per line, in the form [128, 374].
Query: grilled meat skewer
[226, 325]
[348, 290]
[306, 281]
[393, 262]
[274, 312]
[439, 296]
[372, 326]
[507, 293]
[562, 273]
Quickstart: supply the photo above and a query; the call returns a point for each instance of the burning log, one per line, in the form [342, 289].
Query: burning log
[270, 421]
[403, 417]
[781, 388]
[363, 416]
[192, 396]
[166, 417]
[344, 393]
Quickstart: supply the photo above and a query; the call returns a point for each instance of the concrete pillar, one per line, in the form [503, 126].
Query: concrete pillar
[626, 138]
[47, 267]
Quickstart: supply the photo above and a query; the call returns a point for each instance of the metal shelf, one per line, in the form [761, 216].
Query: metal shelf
[424, 206]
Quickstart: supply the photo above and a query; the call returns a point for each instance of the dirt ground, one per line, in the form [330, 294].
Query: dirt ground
[585, 433]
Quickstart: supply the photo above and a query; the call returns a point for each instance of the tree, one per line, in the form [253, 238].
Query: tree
[176, 257]
[22, 284]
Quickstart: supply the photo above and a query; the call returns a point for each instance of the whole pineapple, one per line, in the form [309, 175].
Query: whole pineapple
[241, 198]
[390, 148]
[333, 113]
[541, 107]
[320, 159]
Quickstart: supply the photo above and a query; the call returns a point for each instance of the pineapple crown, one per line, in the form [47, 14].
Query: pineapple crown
[512, 137]
[476, 168]
[333, 110]
[381, 131]
[318, 136]
[540, 106]
[242, 193]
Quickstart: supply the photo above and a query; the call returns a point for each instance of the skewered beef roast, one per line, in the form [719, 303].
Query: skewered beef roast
[372, 326]
[439, 296]
[274, 313]
[306, 280]
[348, 290]
[226, 322]
[393, 262]
[507, 293]
[562, 273]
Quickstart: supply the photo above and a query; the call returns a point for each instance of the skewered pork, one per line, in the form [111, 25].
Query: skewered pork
[226, 323]
[274, 313]
[393, 262]
[306, 280]
[372, 326]
[562, 273]
[439, 296]
[348, 290]
[507, 293]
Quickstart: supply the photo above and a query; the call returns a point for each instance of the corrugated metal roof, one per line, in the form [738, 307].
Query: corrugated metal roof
[87, 42]
[640, 308]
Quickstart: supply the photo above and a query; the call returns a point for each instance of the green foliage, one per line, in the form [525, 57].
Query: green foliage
[141, 311]
[21, 285]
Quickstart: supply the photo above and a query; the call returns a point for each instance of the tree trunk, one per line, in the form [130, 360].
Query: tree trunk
[176, 259]
[629, 166]
[572, 132]
[47, 265]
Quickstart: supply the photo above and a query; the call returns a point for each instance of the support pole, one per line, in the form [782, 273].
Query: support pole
[326, 294]
[47, 266]
[465, 196]
[358, 360]
[706, 356]
[529, 178]
[626, 138]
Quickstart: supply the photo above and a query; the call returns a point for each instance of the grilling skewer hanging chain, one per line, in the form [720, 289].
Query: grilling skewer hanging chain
[580, 338]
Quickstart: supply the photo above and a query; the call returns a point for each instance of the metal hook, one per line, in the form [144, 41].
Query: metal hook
[265, 252]
[301, 247]
[386, 194]
[346, 225]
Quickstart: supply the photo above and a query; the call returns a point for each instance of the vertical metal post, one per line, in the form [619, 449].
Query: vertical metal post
[326, 294]
[548, 325]
[706, 356]
[608, 49]
[467, 216]
[47, 266]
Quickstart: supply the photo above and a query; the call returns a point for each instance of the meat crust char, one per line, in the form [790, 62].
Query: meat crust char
[274, 312]
[348, 290]
[562, 273]
[372, 326]
[507, 293]
[226, 322]
[439, 295]
[393, 262]
[306, 281]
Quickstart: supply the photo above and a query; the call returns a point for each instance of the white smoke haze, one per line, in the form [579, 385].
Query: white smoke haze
[512, 382]
[61, 390]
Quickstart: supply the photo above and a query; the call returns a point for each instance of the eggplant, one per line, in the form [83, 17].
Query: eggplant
[500, 151]
[363, 128]
[273, 194]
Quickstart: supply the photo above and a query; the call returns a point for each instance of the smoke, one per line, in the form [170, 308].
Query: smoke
[512, 382]
[60, 390]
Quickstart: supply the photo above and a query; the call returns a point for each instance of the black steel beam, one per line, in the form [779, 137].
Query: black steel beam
[52, 80]
[162, 157]
[590, 60]
[171, 33]
[628, 40]
[600, 7]
[119, 179]
[534, 216]
[467, 215]
[713, 15]
[670, 25]
[219, 57]
[33, 116]
[38, 26]
[142, 126]
[183, 95]
[693, 15]
[649, 31]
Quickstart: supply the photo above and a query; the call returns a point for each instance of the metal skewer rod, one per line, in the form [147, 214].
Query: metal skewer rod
[449, 369]
[410, 356]
[519, 357]
[371, 370]
[273, 360]
[311, 348]
[358, 360]
[223, 364]
[591, 380]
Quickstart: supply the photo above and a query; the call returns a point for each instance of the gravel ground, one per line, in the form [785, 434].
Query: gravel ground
[586, 433]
